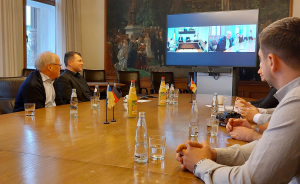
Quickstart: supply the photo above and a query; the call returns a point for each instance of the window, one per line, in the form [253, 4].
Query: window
[40, 30]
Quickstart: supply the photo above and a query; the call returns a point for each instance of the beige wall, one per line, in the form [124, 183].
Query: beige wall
[296, 8]
[92, 20]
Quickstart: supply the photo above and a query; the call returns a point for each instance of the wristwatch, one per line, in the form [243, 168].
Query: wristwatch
[198, 163]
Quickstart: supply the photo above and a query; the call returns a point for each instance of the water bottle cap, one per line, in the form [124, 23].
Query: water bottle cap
[163, 77]
[132, 80]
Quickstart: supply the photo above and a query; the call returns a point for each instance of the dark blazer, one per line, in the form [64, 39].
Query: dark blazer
[269, 102]
[32, 91]
[69, 80]
[222, 44]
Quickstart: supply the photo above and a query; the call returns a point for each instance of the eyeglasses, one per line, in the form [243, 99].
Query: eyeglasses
[56, 64]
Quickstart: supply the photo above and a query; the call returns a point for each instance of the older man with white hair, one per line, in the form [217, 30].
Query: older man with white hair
[38, 87]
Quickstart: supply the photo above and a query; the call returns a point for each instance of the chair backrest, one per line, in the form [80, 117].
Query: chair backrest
[156, 79]
[125, 77]
[27, 71]
[9, 89]
[94, 75]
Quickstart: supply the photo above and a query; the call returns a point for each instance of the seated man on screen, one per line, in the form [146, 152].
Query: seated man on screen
[275, 158]
[180, 39]
[71, 78]
[38, 87]
[225, 42]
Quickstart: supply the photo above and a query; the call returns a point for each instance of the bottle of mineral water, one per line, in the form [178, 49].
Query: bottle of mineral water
[74, 104]
[194, 120]
[171, 94]
[141, 143]
[97, 92]
[215, 105]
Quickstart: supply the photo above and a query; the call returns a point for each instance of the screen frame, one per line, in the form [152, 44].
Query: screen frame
[213, 19]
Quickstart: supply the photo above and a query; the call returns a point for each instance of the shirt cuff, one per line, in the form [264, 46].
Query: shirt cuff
[262, 111]
[206, 166]
[256, 117]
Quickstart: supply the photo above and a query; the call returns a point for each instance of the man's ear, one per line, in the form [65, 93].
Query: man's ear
[69, 62]
[49, 67]
[274, 62]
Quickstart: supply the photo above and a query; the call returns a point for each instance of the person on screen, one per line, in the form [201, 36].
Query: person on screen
[180, 38]
[71, 79]
[38, 87]
[275, 158]
[237, 38]
[241, 38]
[225, 42]
[250, 35]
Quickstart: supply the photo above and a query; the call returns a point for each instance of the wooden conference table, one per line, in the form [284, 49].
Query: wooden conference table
[52, 148]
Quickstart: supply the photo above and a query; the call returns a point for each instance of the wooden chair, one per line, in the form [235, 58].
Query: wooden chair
[26, 72]
[156, 80]
[94, 75]
[125, 77]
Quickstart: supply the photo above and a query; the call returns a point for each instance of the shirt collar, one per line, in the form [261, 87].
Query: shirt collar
[45, 78]
[280, 94]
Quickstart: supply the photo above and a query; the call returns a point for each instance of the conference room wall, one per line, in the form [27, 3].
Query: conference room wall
[93, 31]
[296, 8]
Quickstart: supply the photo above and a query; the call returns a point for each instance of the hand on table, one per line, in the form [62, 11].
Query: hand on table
[189, 153]
[232, 122]
[248, 112]
[244, 134]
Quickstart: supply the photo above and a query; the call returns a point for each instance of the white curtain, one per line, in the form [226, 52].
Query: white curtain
[11, 38]
[68, 35]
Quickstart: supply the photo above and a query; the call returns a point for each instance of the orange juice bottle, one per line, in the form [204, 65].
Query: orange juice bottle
[132, 101]
[162, 94]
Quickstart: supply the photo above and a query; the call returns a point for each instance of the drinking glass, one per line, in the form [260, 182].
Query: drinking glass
[29, 109]
[157, 145]
[176, 96]
[95, 103]
[214, 127]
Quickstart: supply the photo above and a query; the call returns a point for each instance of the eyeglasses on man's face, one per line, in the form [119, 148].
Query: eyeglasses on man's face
[56, 64]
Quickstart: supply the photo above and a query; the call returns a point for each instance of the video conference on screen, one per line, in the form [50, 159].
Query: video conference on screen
[229, 38]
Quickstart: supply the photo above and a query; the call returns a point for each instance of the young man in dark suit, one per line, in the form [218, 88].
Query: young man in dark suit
[71, 78]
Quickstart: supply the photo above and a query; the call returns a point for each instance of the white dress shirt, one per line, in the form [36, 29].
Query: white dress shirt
[49, 90]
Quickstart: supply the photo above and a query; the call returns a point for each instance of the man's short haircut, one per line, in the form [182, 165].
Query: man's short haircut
[282, 38]
[44, 59]
[69, 56]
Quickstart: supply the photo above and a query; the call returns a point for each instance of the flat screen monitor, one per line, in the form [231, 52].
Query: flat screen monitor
[221, 39]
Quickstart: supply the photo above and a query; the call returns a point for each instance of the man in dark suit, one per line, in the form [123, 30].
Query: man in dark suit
[71, 79]
[270, 101]
[38, 87]
[180, 38]
[225, 42]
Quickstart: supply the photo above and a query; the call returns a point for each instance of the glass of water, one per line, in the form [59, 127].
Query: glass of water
[29, 109]
[176, 93]
[157, 145]
[214, 127]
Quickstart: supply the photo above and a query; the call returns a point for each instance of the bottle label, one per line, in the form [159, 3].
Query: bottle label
[162, 98]
[134, 108]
